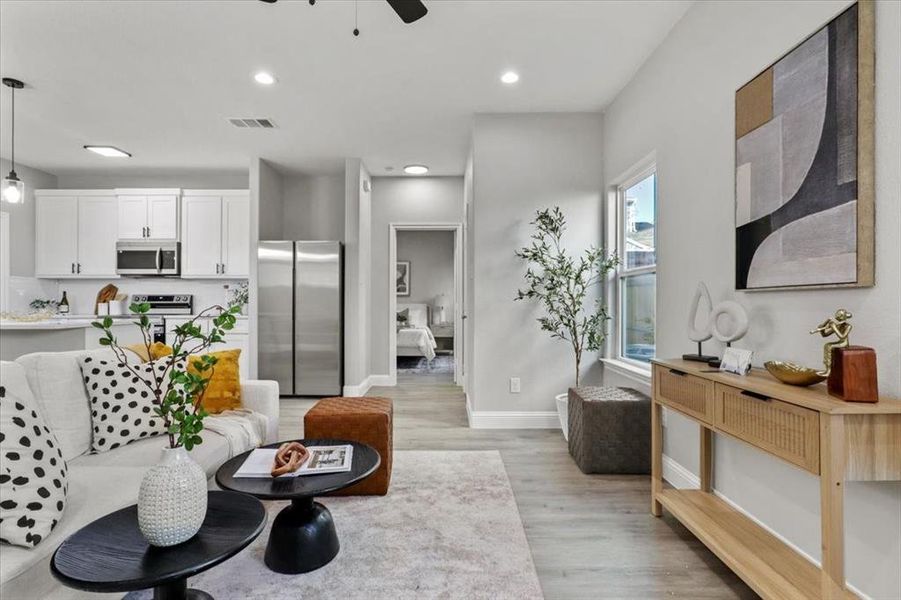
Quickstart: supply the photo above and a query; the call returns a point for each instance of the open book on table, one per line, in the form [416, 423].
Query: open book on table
[322, 460]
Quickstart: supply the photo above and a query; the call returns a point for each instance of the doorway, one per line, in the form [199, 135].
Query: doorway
[425, 271]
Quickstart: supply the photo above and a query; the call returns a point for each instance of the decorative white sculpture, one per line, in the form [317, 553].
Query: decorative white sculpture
[733, 327]
[703, 333]
[738, 320]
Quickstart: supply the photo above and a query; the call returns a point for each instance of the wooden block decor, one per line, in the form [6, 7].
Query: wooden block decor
[853, 376]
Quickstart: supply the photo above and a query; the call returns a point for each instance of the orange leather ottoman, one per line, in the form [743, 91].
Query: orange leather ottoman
[365, 420]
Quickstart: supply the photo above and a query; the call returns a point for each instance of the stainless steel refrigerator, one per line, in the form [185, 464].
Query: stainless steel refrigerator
[301, 300]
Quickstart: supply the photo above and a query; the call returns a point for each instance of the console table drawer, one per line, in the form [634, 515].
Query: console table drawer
[786, 430]
[685, 393]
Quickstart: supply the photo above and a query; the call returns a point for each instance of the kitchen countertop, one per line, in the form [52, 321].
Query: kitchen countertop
[60, 323]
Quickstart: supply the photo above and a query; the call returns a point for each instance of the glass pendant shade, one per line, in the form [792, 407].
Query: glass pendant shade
[13, 189]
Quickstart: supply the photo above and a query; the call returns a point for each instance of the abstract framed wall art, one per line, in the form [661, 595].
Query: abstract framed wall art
[804, 175]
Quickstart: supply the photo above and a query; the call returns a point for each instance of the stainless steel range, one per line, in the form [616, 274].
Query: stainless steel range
[167, 304]
[162, 305]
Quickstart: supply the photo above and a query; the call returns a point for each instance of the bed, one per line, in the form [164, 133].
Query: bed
[414, 338]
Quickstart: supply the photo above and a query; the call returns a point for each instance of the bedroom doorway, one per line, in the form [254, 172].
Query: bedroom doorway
[426, 301]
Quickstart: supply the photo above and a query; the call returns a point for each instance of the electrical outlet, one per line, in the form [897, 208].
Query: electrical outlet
[514, 385]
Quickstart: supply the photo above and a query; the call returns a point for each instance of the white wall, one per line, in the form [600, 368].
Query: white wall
[431, 257]
[681, 105]
[411, 200]
[468, 274]
[21, 218]
[522, 163]
[193, 179]
[357, 277]
[271, 202]
[314, 207]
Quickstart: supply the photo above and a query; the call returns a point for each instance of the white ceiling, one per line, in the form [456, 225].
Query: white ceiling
[159, 79]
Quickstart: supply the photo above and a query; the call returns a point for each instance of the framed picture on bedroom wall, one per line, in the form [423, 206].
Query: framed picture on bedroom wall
[804, 165]
[403, 278]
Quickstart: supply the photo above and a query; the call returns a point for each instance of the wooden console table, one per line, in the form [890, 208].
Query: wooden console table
[835, 440]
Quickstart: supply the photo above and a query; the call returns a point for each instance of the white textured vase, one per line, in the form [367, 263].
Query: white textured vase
[172, 500]
[563, 413]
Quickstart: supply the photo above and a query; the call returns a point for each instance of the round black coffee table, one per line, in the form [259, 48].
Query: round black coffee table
[111, 555]
[303, 536]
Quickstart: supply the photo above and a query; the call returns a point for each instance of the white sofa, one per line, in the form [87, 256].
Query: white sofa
[98, 483]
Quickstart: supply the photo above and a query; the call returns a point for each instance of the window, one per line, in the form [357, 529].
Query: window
[636, 277]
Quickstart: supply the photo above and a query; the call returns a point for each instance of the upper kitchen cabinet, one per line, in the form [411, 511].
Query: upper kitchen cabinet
[148, 214]
[75, 233]
[215, 234]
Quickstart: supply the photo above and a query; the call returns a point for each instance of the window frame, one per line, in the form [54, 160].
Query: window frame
[616, 234]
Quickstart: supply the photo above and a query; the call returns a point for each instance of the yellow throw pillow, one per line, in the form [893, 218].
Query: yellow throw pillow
[223, 392]
[157, 350]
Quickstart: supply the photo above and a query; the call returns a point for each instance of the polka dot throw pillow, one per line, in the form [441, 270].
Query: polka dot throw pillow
[121, 403]
[33, 475]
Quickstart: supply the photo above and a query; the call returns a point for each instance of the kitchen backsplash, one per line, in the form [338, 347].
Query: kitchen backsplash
[83, 292]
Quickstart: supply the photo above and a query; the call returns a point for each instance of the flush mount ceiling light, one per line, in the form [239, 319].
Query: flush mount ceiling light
[108, 151]
[13, 187]
[264, 78]
[510, 77]
[416, 169]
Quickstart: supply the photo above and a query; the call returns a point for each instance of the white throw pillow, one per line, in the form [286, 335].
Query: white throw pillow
[121, 403]
[55, 380]
[33, 474]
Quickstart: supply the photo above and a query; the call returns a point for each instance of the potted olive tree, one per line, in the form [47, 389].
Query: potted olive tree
[568, 289]
[173, 495]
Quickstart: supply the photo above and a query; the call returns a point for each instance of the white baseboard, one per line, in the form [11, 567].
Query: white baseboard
[681, 478]
[356, 391]
[383, 380]
[491, 419]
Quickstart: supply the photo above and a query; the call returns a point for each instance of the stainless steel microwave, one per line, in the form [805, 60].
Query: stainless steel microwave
[140, 258]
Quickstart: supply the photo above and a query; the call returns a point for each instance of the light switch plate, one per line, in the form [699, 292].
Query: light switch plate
[514, 385]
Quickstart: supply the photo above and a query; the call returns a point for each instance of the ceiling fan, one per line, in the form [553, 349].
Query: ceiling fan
[408, 10]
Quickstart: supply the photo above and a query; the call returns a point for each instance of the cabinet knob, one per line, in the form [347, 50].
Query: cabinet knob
[223, 268]
[217, 268]
[78, 270]
[73, 267]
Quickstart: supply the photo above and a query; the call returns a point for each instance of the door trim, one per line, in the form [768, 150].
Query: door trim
[459, 306]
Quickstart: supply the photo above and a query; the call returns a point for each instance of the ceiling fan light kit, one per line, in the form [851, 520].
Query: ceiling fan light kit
[13, 187]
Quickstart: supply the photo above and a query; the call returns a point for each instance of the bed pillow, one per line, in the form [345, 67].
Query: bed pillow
[403, 318]
[33, 474]
[121, 404]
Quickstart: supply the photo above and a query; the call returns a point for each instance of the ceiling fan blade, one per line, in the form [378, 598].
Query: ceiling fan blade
[408, 10]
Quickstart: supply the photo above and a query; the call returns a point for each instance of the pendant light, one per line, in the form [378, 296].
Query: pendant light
[13, 187]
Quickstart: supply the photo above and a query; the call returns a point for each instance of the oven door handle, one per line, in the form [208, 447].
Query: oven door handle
[159, 260]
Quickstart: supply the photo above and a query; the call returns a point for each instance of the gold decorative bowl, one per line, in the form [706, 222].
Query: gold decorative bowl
[793, 374]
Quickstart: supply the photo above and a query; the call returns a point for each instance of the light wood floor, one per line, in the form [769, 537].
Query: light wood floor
[591, 536]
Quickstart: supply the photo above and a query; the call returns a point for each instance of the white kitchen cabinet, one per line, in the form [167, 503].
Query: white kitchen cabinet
[96, 236]
[75, 234]
[215, 234]
[148, 214]
[56, 235]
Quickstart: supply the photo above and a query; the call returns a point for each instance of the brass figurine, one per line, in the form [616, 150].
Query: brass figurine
[839, 326]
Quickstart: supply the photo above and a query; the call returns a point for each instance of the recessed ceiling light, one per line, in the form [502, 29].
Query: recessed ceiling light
[510, 77]
[264, 78]
[416, 169]
[108, 151]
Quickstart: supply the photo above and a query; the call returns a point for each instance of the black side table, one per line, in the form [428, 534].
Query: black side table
[303, 536]
[111, 555]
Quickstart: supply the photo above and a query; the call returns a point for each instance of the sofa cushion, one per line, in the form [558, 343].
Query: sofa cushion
[32, 470]
[55, 379]
[93, 492]
[145, 453]
[122, 408]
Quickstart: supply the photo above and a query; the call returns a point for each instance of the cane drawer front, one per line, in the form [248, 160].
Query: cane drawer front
[790, 432]
[686, 393]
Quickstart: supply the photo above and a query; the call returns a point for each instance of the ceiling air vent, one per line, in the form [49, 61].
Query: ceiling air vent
[252, 123]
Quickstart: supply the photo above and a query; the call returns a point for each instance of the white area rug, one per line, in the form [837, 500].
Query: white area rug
[449, 528]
